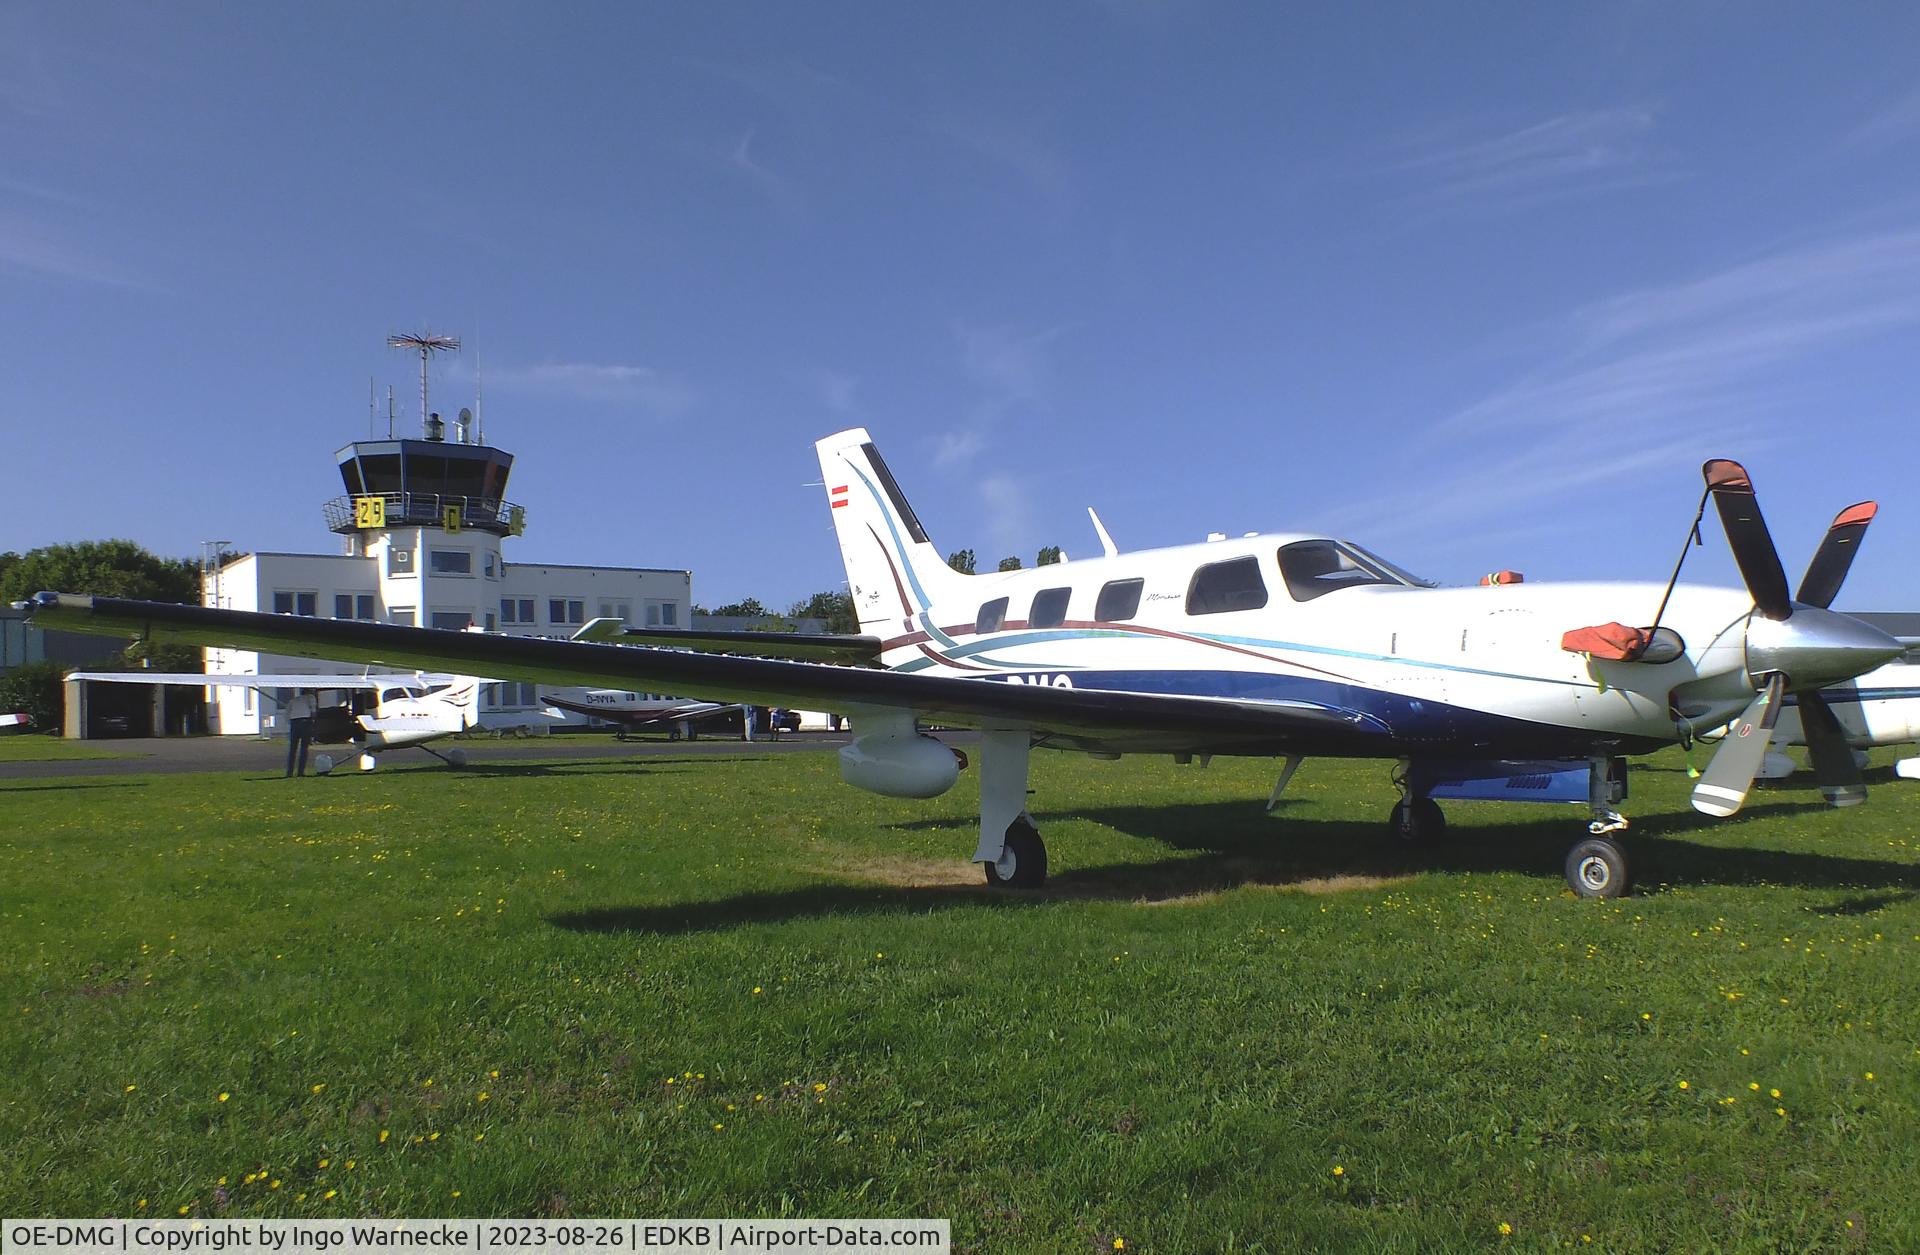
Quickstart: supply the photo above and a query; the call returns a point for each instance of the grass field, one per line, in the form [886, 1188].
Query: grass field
[682, 987]
[35, 747]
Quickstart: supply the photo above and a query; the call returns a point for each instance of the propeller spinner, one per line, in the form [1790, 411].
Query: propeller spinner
[1792, 644]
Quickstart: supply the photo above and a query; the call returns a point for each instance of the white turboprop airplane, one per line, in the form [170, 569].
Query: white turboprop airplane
[1282, 646]
[408, 710]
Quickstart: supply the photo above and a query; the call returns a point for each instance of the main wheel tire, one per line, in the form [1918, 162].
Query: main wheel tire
[1418, 824]
[1597, 868]
[456, 758]
[322, 764]
[1023, 860]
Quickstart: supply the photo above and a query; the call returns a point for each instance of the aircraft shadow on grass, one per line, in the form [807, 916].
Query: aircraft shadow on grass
[80, 783]
[1231, 845]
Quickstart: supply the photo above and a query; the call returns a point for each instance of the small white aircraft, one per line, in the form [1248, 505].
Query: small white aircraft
[407, 711]
[636, 712]
[1268, 645]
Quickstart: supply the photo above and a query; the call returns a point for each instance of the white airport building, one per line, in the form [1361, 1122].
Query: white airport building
[423, 524]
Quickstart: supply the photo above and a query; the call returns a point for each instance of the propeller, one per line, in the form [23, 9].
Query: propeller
[1723, 788]
[1818, 647]
[1830, 562]
[1747, 534]
[1833, 763]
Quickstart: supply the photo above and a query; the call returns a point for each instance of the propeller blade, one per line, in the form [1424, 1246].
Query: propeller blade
[1747, 535]
[1827, 748]
[1723, 789]
[1830, 562]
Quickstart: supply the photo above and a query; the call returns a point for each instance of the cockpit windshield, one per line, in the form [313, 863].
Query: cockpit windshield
[1314, 568]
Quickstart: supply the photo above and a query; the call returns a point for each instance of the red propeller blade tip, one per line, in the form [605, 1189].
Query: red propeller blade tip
[1862, 513]
[1726, 473]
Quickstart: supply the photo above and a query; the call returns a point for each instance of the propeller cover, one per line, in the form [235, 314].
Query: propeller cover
[1815, 647]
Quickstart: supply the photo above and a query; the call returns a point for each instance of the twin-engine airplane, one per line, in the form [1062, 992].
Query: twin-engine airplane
[406, 711]
[1282, 645]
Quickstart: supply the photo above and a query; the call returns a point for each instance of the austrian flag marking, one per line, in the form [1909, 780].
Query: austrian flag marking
[839, 496]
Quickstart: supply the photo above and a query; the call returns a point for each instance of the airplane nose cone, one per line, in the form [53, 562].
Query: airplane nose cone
[1815, 647]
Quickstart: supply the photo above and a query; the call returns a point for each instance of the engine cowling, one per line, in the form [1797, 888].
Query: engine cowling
[899, 766]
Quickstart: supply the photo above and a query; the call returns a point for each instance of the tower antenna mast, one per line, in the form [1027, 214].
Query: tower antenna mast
[426, 345]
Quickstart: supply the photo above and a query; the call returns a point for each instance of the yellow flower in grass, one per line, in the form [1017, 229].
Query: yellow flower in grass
[1506, 1230]
[1339, 1171]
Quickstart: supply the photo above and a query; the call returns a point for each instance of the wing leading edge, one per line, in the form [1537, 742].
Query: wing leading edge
[861, 651]
[1085, 714]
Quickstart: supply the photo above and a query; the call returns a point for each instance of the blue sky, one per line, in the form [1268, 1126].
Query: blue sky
[1478, 286]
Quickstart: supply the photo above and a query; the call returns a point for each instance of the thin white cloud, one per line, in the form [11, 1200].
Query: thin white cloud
[1576, 153]
[836, 390]
[1895, 123]
[1008, 518]
[1019, 149]
[1666, 374]
[778, 190]
[26, 244]
[1010, 369]
[642, 387]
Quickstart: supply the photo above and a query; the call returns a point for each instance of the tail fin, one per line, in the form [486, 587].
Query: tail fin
[893, 571]
[464, 697]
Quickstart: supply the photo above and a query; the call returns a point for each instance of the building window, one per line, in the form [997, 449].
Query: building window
[402, 615]
[489, 561]
[490, 623]
[399, 560]
[1049, 607]
[353, 606]
[516, 610]
[669, 614]
[1119, 601]
[1223, 587]
[621, 610]
[450, 561]
[562, 611]
[991, 616]
[451, 620]
[296, 603]
[507, 696]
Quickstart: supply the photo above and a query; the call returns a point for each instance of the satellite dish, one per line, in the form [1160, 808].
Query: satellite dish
[463, 425]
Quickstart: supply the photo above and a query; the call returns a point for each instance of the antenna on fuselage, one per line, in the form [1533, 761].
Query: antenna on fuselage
[1106, 541]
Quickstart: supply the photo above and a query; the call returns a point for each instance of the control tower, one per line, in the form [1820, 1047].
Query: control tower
[426, 508]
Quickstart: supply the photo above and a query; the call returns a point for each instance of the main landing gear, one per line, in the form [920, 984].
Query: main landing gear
[1597, 865]
[1010, 847]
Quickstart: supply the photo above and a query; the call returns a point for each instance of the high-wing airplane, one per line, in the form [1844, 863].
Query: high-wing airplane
[407, 711]
[1270, 645]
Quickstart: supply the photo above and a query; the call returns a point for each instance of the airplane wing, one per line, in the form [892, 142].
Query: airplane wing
[305, 680]
[1093, 715]
[861, 651]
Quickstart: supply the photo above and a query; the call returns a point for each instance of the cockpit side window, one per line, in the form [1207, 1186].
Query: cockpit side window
[1314, 568]
[392, 695]
[1222, 587]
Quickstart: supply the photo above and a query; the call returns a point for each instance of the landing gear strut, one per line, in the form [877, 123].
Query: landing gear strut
[1597, 867]
[1010, 847]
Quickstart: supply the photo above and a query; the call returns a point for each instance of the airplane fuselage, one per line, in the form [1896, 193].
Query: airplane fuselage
[1476, 669]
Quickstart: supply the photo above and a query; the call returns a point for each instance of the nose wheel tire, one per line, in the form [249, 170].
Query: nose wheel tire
[1597, 868]
[1418, 822]
[1023, 861]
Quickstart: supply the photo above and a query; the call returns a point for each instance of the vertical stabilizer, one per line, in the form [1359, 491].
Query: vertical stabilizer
[894, 573]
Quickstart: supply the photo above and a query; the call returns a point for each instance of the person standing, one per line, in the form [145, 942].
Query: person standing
[299, 732]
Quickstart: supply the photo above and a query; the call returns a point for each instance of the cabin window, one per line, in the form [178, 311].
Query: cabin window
[1222, 587]
[991, 616]
[392, 695]
[1119, 601]
[1049, 607]
[1314, 568]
